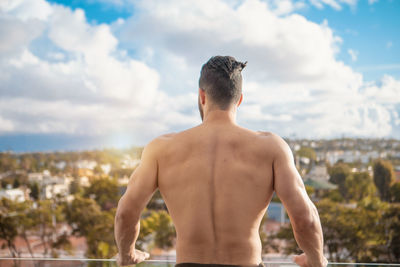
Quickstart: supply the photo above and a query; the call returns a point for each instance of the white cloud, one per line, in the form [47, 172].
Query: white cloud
[389, 44]
[293, 79]
[353, 54]
[89, 86]
[372, 1]
[283, 48]
[26, 9]
[139, 75]
[6, 125]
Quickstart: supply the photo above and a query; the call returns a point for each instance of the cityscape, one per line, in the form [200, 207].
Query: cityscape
[62, 204]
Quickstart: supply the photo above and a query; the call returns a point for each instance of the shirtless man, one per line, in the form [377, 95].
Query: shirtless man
[217, 180]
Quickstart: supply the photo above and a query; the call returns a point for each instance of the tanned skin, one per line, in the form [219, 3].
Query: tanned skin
[217, 180]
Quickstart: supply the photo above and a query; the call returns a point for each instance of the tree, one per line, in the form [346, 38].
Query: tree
[395, 192]
[47, 214]
[16, 183]
[338, 174]
[286, 233]
[100, 237]
[359, 185]
[105, 191]
[25, 221]
[88, 220]
[8, 225]
[352, 232]
[34, 191]
[157, 229]
[334, 195]
[307, 152]
[3, 183]
[8, 162]
[165, 233]
[75, 187]
[383, 178]
[391, 221]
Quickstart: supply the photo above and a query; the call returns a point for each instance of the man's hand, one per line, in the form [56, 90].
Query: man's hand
[303, 261]
[136, 256]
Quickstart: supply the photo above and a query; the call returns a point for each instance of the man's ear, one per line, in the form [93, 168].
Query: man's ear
[202, 95]
[240, 100]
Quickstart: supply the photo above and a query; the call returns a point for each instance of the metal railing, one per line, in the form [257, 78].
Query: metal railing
[82, 262]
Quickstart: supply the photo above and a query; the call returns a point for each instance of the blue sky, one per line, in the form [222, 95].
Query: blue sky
[92, 74]
[372, 30]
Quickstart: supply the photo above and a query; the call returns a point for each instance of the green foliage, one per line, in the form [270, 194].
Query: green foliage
[391, 221]
[338, 174]
[21, 218]
[98, 170]
[8, 225]
[3, 183]
[165, 232]
[75, 187]
[88, 220]
[383, 178]
[82, 214]
[46, 216]
[359, 185]
[366, 231]
[310, 190]
[100, 237]
[307, 152]
[105, 191]
[8, 162]
[34, 194]
[334, 195]
[156, 226]
[286, 233]
[116, 173]
[395, 192]
[16, 183]
[351, 232]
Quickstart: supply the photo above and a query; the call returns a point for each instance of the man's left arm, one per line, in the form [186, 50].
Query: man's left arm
[141, 187]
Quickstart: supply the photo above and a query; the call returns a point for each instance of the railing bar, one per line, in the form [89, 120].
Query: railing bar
[172, 261]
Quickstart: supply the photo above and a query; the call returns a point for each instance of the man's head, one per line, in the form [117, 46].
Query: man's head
[221, 80]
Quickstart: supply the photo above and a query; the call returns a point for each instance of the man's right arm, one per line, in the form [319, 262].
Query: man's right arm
[302, 212]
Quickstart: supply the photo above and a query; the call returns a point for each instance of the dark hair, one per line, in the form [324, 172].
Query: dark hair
[221, 79]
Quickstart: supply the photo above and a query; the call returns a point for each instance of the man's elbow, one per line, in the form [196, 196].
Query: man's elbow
[125, 215]
[306, 222]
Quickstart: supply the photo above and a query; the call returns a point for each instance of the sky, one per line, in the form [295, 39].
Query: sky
[78, 75]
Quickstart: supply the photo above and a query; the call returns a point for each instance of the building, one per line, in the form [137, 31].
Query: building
[350, 156]
[318, 172]
[15, 194]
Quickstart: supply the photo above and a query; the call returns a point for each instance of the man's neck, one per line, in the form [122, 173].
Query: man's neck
[220, 116]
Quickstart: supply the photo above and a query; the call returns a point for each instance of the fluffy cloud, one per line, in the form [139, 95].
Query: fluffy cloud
[82, 84]
[60, 74]
[293, 82]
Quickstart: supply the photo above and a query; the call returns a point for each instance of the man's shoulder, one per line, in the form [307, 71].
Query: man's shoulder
[274, 141]
[160, 140]
[270, 136]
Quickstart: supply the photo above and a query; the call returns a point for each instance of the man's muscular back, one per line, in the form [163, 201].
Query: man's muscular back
[217, 181]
